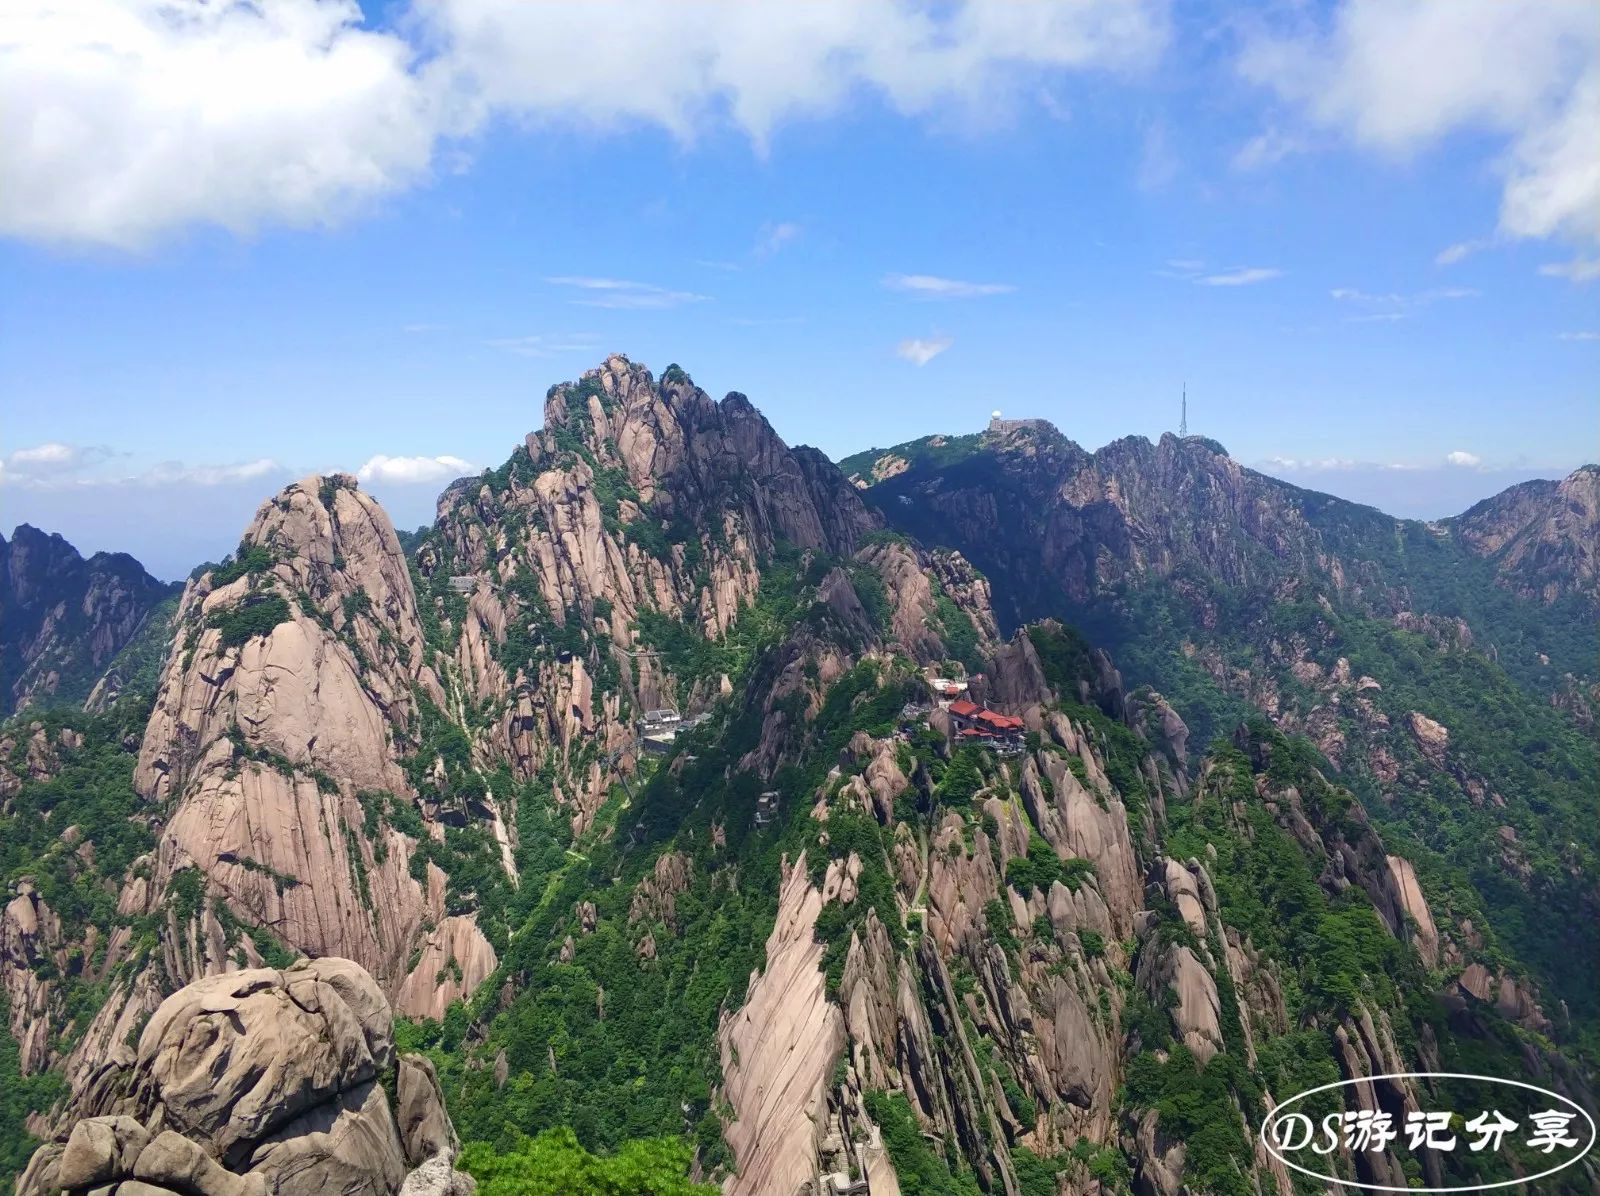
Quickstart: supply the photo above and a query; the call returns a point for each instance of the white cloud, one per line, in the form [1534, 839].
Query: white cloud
[1460, 251]
[130, 119]
[920, 351]
[1242, 277]
[1577, 270]
[622, 294]
[127, 118]
[775, 236]
[929, 286]
[757, 66]
[546, 346]
[1399, 76]
[52, 460]
[1463, 459]
[1387, 308]
[176, 473]
[1267, 148]
[411, 470]
[1578, 336]
[55, 466]
[1327, 464]
[45, 458]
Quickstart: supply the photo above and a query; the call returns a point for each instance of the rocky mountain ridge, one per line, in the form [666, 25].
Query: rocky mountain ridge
[1541, 537]
[1405, 651]
[815, 937]
[64, 619]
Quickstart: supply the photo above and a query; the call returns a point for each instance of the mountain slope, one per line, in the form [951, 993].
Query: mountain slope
[1390, 643]
[815, 937]
[1541, 537]
[64, 619]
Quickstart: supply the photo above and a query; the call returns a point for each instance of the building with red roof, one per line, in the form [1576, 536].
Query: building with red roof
[971, 722]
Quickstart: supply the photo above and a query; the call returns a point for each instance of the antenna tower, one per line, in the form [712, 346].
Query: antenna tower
[1183, 421]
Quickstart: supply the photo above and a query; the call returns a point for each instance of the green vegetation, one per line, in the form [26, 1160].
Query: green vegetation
[956, 629]
[250, 560]
[256, 615]
[63, 612]
[1341, 953]
[921, 1172]
[1041, 868]
[1064, 655]
[1197, 1107]
[634, 1040]
[1501, 735]
[90, 788]
[929, 452]
[138, 665]
[20, 1095]
[554, 1164]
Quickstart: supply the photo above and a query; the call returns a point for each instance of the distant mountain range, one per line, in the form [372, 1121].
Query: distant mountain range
[65, 620]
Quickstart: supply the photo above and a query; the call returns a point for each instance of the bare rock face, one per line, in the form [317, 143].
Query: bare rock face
[778, 1049]
[256, 1082]
[328, 686]
[425, 1127]
[292, 690]
[1015, 679]
[1433, 739]
[30, 935]
[1425, 934]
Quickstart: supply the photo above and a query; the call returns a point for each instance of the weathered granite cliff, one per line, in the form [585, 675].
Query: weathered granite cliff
[287, 707]
[257, 1082]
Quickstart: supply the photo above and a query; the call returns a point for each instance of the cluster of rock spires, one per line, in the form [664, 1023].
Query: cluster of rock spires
[898, 1022]
[254, 1083]
[262, 748]
[296, 721]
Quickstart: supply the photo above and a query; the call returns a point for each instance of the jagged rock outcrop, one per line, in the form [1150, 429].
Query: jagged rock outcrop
[640, 500]
[253, 1083]
[30, 947]
[293, 690]
[63, 619]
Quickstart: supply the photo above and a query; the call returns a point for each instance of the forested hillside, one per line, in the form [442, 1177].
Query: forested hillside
[1440, 670]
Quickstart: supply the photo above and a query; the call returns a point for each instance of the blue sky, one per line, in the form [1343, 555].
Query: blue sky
[1374, 270]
